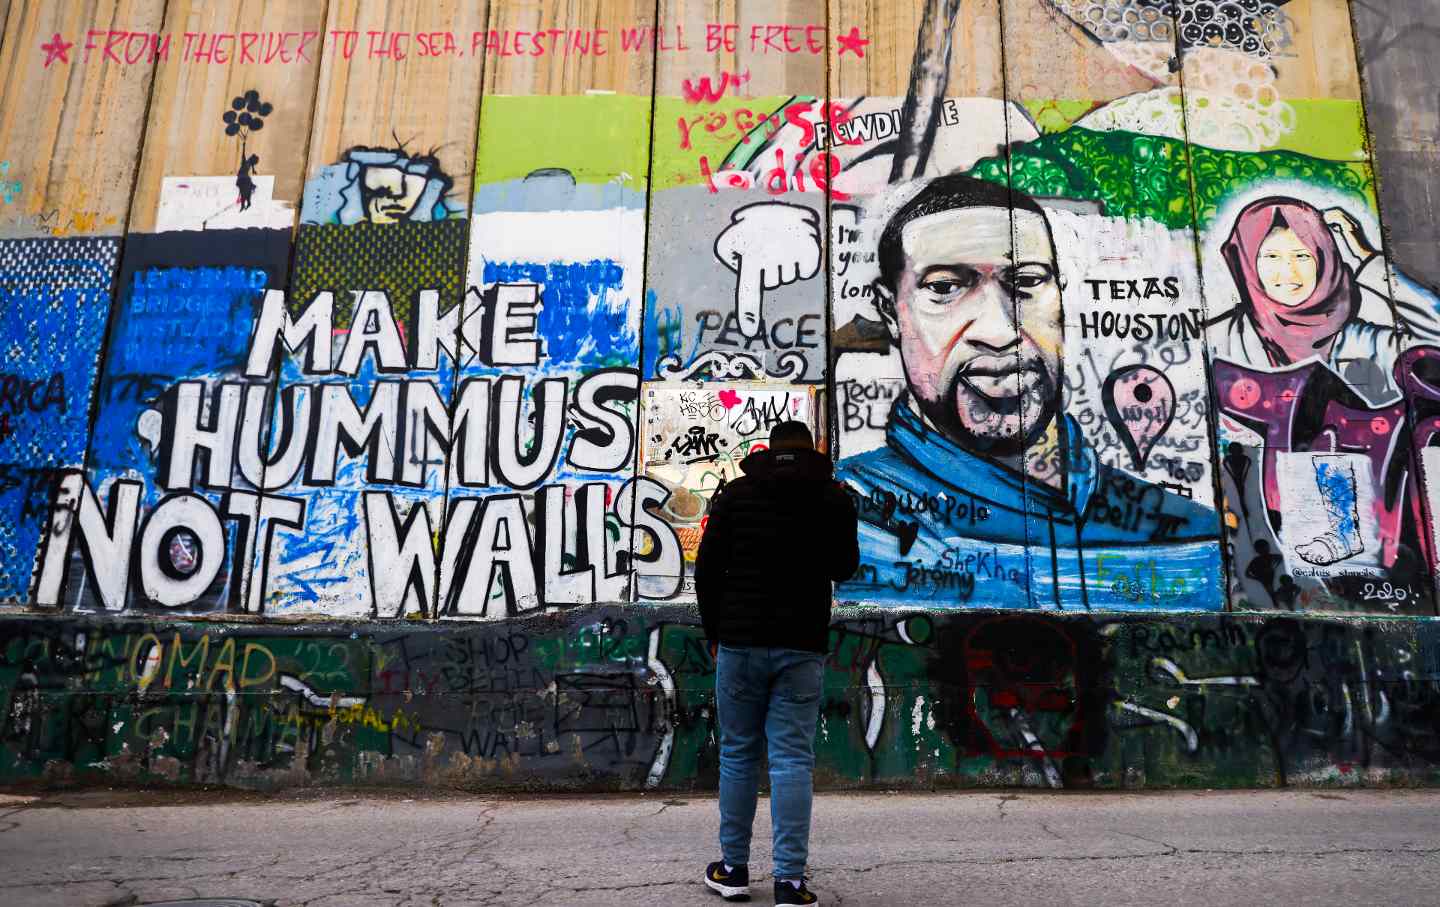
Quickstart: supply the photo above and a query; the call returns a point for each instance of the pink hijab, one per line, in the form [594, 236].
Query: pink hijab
[1291, 333]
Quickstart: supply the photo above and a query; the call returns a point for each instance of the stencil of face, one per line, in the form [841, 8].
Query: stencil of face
[390, 193]
[980, 331]
[1286, 267]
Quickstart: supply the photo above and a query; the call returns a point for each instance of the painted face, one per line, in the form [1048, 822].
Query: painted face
[390, 193]
[980, 331]
[1286, 267]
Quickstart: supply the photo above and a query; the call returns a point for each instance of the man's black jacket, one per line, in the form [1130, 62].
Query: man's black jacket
[776, 539]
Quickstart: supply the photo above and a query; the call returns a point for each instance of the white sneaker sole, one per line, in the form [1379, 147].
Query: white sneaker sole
[728, 891]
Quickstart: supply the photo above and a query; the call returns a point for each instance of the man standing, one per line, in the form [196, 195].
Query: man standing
[986, 494]
[776, 539]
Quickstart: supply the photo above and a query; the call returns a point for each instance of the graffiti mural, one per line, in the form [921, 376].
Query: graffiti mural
[378, 442]
[695, 438]
[56, 295]
[979, 461]
[379, 186]
[247, 114]
[172, 465]
[1325, 336]
[611, 697]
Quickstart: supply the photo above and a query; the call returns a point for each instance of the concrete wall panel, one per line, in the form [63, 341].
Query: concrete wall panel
[368, 370]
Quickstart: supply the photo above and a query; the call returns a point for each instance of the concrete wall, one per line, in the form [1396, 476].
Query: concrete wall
[1397, 42]
[619, 697]
[370, 368]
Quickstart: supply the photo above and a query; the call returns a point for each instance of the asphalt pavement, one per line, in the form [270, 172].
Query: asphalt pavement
[340, 848]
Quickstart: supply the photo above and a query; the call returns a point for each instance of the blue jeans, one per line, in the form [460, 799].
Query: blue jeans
[767, 695]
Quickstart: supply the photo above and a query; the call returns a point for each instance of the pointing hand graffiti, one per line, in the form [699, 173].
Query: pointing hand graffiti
[767, 245]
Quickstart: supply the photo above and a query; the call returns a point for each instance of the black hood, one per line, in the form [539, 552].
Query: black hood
[788, 463]
[778, 537]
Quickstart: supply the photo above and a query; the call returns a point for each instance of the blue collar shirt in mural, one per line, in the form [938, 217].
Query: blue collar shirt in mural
[941, 525]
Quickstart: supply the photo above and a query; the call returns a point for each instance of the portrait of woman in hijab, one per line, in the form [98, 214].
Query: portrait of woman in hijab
[1312, 286]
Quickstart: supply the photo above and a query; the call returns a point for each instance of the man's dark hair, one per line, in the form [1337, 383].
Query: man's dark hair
[791, 434]
[945, 193]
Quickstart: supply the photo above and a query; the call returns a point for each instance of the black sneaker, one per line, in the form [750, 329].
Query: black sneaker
[785, 893]
[733, 885]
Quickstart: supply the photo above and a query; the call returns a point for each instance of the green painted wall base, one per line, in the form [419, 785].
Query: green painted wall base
[622, 698]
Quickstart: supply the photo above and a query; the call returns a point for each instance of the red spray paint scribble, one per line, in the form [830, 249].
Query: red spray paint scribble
[702, 89]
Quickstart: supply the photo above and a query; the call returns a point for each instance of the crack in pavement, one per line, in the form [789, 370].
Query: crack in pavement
[1171, 851]
[11, 826]
[656, 884]
[1003, 800]
[492, 851]
[630, 827]
[1169, 847]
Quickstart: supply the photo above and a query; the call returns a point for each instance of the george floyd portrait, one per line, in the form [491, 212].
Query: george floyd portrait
[985, 491]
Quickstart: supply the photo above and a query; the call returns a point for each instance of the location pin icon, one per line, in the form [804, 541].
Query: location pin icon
[1140, 402]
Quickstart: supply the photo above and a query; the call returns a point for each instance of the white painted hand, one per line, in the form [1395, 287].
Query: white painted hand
[767, 245]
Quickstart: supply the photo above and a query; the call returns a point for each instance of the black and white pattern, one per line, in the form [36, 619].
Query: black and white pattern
[1257, 28]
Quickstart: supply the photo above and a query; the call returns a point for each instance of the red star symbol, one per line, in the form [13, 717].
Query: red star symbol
[57, 49]
[852, 41]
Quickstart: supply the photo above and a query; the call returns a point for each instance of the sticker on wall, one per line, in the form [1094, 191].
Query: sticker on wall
[696, 438]
[1325, 496]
